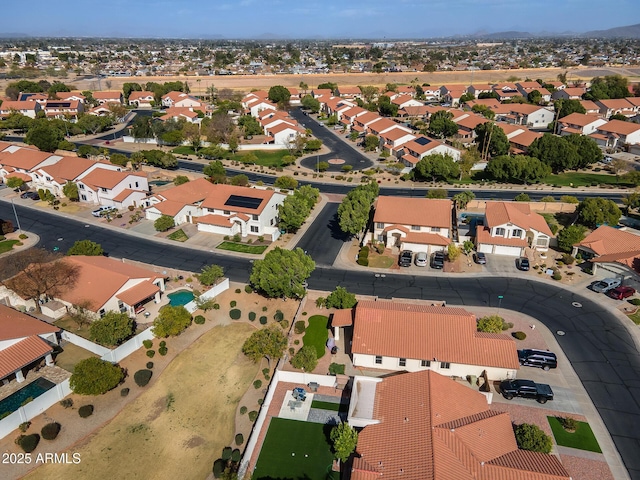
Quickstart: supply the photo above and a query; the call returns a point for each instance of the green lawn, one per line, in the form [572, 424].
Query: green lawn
[635, 317]
[582, 438]
[184, 150]
[266, 158]
[7, 245]
[334, 407]
[295, 450]
[317, 334]
[68, 324]
[580, 179]
[178, 236]
[380, 261]
[242, 247]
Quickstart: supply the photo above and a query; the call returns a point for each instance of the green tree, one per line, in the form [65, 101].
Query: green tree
[442, 125]
[282, 273]
[632, 177]
[619, 116]
[280, 95]
[341, 298]
[312, 145]
[535, 97]
[293, 212]
[287, 182]
[310, 103]
[240, 180]
[112, 329]
[93, 376]
[491, 140]
[437, 193]
[66, 145]
[556, 152]
[437, 166]
[386, 108]
[250, 125]
[344, 439]
[44, 136]
[92, 123]
[466, 97]
[86, 247]
[594, 211]
[180, 180]
[14, 182]
[305, 359]
[216, 172]
[463, 198]
[567, 107]
[483, 110]
[171, 321]
[164, 223]
[86, 151]
[353, 212]
[611, 86]
[532, 438]
[119, 159]
[211, 274]
[453, 252]
[491, 324]
[268, 342]
[588, 150]
[522, 197]
[129, 87]
[323, 166]
[506, 168]
[309, 194]
[569, 236]
[371, 142]
[70, 190]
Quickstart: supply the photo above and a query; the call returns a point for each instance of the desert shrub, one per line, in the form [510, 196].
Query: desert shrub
[531, 437]
[257, 384]
[28, 443]
[292, 350]
[235, 314]
[24, 426]
[142, 377]
[149, 365]
[568, 423]
[22, 236]
[248, 289]
[519, 335]
[284, 324]
[260, 401]
[85, 411]
[216, 306]
[635, 301]
[124, 392]
[263, 320]
[162, 351]
[226, 453]
[336, 369]
[50, 431]
[492, 324]
[163, 344]
[233, 303]
[151, 353]
[66, 403]
[278, 316]
[199, 319]
[557, 275]
[252, 316]
[238, 290]
[171, 321]
[218, 468]
[568, 259]
[93, 376]
[299, 327]
[253, 415]
[147, 343]
[236, 455]
[296, 342]
[239, 439]
[243, 410]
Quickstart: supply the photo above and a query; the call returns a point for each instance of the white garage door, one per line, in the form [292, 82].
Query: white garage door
[503, 250]
[485, 248]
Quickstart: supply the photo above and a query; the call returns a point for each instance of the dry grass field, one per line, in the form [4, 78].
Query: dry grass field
[179, 426]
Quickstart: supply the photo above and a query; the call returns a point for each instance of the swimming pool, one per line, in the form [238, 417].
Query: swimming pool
[33, 391]
[181, 297]
[159, 183]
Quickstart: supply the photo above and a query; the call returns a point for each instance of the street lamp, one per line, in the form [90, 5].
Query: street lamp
[318, 164]
[16, 214]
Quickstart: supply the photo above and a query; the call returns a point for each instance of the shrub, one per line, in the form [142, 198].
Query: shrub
[248, 289]
[341, 298]
[199, 319]
[218, 468]
[556, 275]
[28, 443]
[226, 453]
[568, 423]
[284, 324]
[93, 376]
[253, 415]
[238, 290]
[299, 327]
[149, 365]
[491, 324]
[257, 384]
[296, 342]
[50, 431]
[243, 410]
[239, 439]
[216, 306]
[235, 314]
[164, 223]
[252, 316]
[151, 353]
[292, 350]
[85, 411]
[171, 321]
[236, 455]
[265, 371]
[142, 377]
[112, 329]
[233, 303]
[635, 301]
[568, 259]
[336, 369]
[278, 316]
[263, 320]
[519, 335]
[124, 392]
[147, 343]
[163, 344]
[22, 236]
[162, 351]
[24, 426]
[67, 402]
[306, 358]
[260, 401]
[532, 438]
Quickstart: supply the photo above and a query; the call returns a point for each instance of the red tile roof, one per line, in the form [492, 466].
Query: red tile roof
[15, 324]
[25, 158]
[422, 238]
[138, 293]
[218, 220]
[613, 245]
[517, 213]
[21, 354]
[426, 212]
[105, 178]
[580, 119]
[342, 318]
[619, 127]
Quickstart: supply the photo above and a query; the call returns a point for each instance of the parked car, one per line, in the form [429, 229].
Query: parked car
[620, 293]
[405, 258]
[480, 258]
[522, 263]
[543, 359]
[437, 261]
[421, 259]
[100, 211]
[603, 286]
[31, 195]
[527, 389]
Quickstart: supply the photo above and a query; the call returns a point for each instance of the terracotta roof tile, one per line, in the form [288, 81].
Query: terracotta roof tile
[532, 461]
[25, 158]
[423, 238]
[21, 354]
[620, 127]
[342, 318]
[15, 324]
[517, 213]
[68, 168]
[218, 220]
[425, 212]
[105, 178]
[138, 293]
[580, 119]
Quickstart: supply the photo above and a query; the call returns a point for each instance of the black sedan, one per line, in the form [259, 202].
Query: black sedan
[480, 258]
[31, 195]
[522, 263]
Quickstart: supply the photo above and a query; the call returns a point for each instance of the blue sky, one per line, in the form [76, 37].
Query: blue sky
[311, 18]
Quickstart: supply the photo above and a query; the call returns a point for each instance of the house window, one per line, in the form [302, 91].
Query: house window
[425, 363]
[48, 179]
[415, 227]
[379, 225]
[500, 232]
[446, 365]
[542, 241]
[83, 197]
[517, 233]
[378, 360]
[136, 184]
[435, 229]
[102, 312]
[381, 238]
[104, 190]
[402, 362]
[81, 186]
[271, 222]
[254, 217]
[254, 229]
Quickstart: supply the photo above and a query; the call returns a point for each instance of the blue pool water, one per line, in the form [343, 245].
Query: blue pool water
[34, 390]
[181, 297]
[159, 183]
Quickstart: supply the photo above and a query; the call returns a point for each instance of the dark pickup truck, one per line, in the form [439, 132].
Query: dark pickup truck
[526, 388]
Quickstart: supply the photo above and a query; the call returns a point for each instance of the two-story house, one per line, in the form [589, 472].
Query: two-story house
[19, 162]
[416, 224]
[349, 116]
[180, 99]
[113, 188]
[144, 99]
[580, 124]
[511, 227]
[391, 139]
[616, 106]
[412, 152]
[403, 101]
[64, 109]
[25, 107]
[617, 133]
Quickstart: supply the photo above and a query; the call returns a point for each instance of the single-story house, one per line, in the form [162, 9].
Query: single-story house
[615, 250]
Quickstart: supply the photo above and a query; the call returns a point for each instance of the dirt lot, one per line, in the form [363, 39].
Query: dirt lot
[245, 83]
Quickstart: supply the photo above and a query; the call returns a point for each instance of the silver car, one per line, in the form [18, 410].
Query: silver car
[603, 286]
[421, 259]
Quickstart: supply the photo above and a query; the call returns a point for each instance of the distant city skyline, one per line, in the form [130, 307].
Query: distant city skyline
[373, 19]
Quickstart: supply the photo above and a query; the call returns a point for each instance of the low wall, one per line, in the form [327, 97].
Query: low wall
[128, 347]
[84, 343]
[540, 207]
[213, 292]
[34, 408]
[261, 146]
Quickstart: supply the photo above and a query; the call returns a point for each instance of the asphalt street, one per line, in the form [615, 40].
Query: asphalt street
[324, 239]
[600, 348]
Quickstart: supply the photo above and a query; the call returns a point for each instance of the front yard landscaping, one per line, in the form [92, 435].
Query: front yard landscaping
[178, 236]
[582, 438]
[294, 449]
[242, 247]
[266, 158]
[316, 334]
[7, 245]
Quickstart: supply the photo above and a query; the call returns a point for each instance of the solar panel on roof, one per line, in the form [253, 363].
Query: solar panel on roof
[243, 202]
[422, 141]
